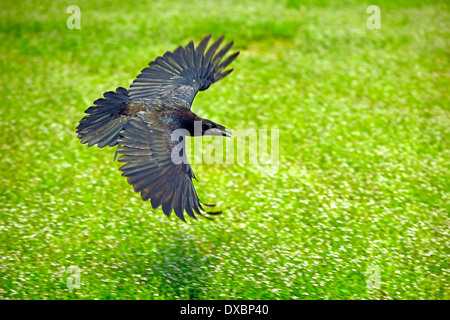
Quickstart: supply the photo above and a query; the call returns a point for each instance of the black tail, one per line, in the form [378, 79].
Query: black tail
[104, 122]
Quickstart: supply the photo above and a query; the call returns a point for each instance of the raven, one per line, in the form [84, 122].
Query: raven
[141, 121]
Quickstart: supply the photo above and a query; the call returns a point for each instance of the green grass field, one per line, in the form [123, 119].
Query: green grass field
[364, 153]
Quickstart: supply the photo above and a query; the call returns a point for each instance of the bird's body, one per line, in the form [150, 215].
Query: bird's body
[166, 110]
[142, 120]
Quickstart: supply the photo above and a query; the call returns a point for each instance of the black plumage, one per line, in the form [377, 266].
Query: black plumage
[141, 121]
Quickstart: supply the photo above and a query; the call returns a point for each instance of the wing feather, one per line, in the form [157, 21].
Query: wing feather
[146, 149]
[183, 72]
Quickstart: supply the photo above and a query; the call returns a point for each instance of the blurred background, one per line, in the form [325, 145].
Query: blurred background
[363, 180]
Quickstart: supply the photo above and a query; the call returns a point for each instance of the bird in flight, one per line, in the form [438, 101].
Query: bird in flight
[142, 122]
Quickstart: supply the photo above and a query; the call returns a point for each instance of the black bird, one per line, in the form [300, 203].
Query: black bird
[141, 121]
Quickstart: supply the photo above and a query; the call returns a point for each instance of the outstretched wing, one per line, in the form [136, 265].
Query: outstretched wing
[146, 147]
[183, 72]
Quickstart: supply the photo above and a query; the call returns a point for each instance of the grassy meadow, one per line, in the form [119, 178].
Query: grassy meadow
[363, 177]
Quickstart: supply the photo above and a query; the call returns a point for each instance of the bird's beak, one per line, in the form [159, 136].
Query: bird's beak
[219, 131]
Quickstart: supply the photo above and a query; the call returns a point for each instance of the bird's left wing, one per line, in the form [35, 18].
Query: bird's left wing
[183, 72]
[146, 146]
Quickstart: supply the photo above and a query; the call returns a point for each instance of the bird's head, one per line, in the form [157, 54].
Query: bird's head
[210, 128]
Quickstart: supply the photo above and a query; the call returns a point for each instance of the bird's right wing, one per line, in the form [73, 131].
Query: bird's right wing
[146, 146]
[183, 72]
